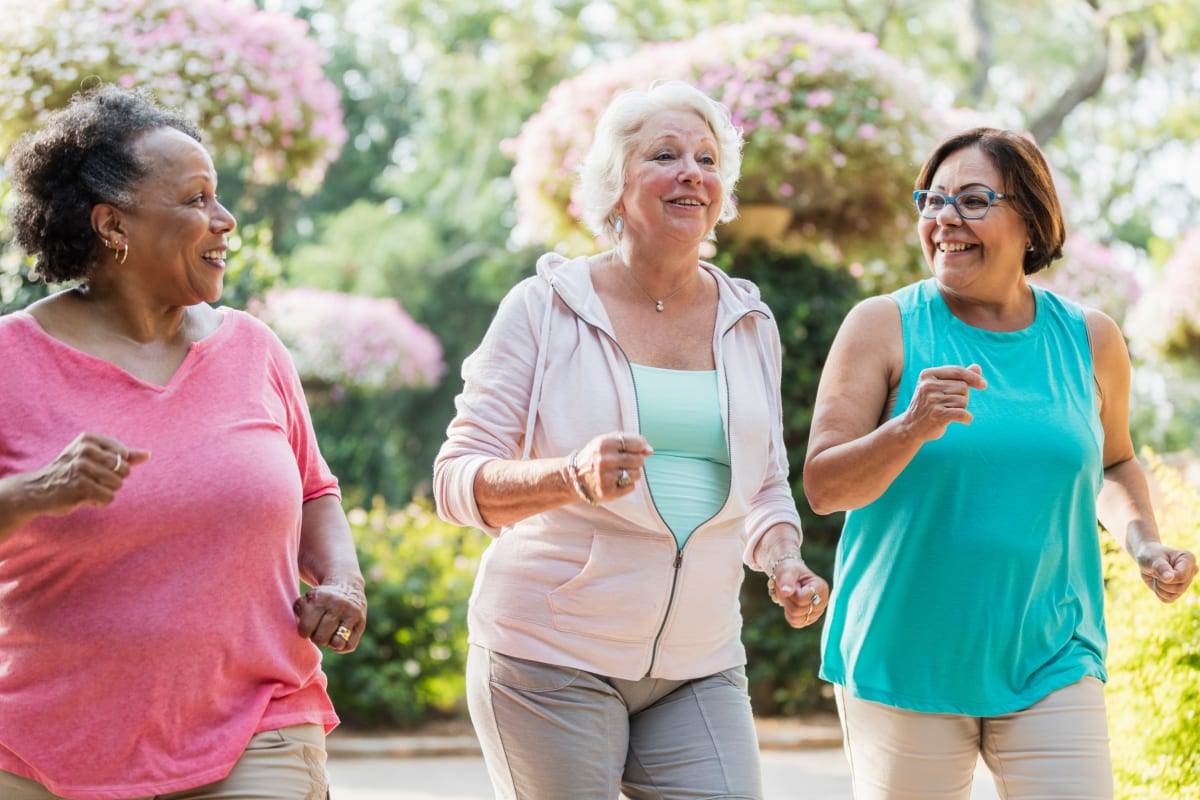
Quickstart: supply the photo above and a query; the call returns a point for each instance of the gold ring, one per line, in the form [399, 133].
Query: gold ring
[623, 478]
[343, 632]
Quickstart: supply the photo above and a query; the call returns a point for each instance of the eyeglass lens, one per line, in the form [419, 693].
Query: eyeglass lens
[970, 205]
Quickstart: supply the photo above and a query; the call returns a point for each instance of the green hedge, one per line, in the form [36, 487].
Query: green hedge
[1153, 690]
[809, 301]
[410, 664]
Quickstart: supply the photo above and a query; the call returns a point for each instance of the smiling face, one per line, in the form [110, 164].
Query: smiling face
[979, 252]
[176, 233]
[672, 181]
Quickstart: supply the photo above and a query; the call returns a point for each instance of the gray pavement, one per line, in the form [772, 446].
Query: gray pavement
[802, 760]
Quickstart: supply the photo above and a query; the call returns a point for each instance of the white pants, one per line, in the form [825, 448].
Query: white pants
[1057, 749]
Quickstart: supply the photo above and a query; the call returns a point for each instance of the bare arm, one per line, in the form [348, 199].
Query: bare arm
[328, 563]
[1123, 505]
[89, 471]
[509, 491]
[854, 451]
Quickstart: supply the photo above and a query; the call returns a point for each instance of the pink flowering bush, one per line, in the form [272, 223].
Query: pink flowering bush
[251, 79]
[351, 341]
[1167, 319]
[1090, 274]
[834, 131]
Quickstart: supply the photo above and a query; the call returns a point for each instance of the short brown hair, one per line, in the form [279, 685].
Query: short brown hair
[1030, 186]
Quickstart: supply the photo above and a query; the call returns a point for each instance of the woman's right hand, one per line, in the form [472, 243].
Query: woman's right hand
[940, 398]
[610, 465]
[89, 471]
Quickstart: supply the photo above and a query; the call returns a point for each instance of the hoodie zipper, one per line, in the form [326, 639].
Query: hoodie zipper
[678, 563]
[728, 490]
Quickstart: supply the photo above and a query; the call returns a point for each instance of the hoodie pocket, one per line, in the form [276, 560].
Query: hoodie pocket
[622, 591]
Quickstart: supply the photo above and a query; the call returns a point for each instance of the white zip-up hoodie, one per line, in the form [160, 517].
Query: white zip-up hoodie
[607, 589]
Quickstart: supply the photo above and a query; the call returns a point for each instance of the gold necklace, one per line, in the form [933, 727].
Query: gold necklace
[658, 303]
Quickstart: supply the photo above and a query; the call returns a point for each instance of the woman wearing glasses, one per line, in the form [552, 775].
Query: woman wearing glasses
[975, 427]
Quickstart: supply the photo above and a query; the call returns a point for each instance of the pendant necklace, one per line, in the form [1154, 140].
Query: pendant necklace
[658, 303]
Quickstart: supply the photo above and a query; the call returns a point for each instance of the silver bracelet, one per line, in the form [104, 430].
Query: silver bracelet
[573, 474]
[775, 564]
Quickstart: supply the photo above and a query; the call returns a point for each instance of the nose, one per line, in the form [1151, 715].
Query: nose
[689, 170]
[223, 220]
[944, 218]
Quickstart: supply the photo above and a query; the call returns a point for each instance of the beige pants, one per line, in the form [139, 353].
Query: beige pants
[285, 764]
[1055, 749]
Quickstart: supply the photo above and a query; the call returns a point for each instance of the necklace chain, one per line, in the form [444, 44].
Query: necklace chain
[658, 303]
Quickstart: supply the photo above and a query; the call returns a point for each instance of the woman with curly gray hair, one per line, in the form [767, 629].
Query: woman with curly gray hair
[154, 641]
[604, 625]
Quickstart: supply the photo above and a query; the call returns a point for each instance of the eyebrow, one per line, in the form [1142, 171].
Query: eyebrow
[966, 187]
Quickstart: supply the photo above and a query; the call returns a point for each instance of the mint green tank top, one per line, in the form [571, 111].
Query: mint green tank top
[973, 585]
[679, 412]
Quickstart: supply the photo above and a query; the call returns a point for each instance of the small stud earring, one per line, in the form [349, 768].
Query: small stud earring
[1029, 247]
[619, 226]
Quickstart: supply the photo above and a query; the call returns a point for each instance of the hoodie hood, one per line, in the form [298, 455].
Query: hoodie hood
[571, 279]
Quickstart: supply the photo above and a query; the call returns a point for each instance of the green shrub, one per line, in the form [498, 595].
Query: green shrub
[410, 664]
[1154, 663]
[809, 301]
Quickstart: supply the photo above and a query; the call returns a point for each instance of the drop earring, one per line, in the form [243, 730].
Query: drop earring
[619, 226]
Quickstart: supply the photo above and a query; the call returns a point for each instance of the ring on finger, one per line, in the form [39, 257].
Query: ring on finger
[621, 438]
[120, 461]
[623, 478]
[343, 632]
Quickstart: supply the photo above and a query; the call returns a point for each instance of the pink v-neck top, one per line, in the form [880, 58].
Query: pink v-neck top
[144, 643]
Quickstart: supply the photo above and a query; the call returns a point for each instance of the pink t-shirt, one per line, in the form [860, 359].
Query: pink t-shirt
[143, 644]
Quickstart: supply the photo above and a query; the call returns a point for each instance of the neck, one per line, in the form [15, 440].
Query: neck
[658, 271]
[1014, 310]
[125, 314]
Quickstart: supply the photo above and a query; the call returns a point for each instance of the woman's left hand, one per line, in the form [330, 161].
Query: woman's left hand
[803, 594]
[1168, 571]
[333, 614]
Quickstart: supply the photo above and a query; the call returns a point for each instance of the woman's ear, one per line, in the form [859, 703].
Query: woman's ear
[106, 222]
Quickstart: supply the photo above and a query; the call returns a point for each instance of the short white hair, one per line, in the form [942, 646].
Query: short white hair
[602, 174]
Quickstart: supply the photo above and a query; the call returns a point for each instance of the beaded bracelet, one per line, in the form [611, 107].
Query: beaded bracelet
[573, 474]
[775, 564]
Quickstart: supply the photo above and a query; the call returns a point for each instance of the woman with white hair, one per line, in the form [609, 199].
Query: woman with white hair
[619, 434]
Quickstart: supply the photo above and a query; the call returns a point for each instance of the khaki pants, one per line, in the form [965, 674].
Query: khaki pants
[556, 733]
[1056, 748]
[284, 764]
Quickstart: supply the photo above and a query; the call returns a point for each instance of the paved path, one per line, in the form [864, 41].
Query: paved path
[819, 774]
[802, 760]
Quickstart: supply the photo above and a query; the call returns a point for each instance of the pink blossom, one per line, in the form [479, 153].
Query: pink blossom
[352, 341]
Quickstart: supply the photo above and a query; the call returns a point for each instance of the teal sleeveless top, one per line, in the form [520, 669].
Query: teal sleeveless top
[973, 584]
[679, 412]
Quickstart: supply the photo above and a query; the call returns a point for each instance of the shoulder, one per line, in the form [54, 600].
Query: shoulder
[1104, 335]
[877, 317]
[250, 335]
[737, 295]
[243, 324]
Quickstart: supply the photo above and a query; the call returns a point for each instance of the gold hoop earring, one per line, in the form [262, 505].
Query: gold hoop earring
[121, 253]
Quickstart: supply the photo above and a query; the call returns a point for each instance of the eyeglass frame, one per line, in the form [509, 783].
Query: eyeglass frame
[952, 199]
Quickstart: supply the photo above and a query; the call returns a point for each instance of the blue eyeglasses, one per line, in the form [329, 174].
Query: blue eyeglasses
[971, 204]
